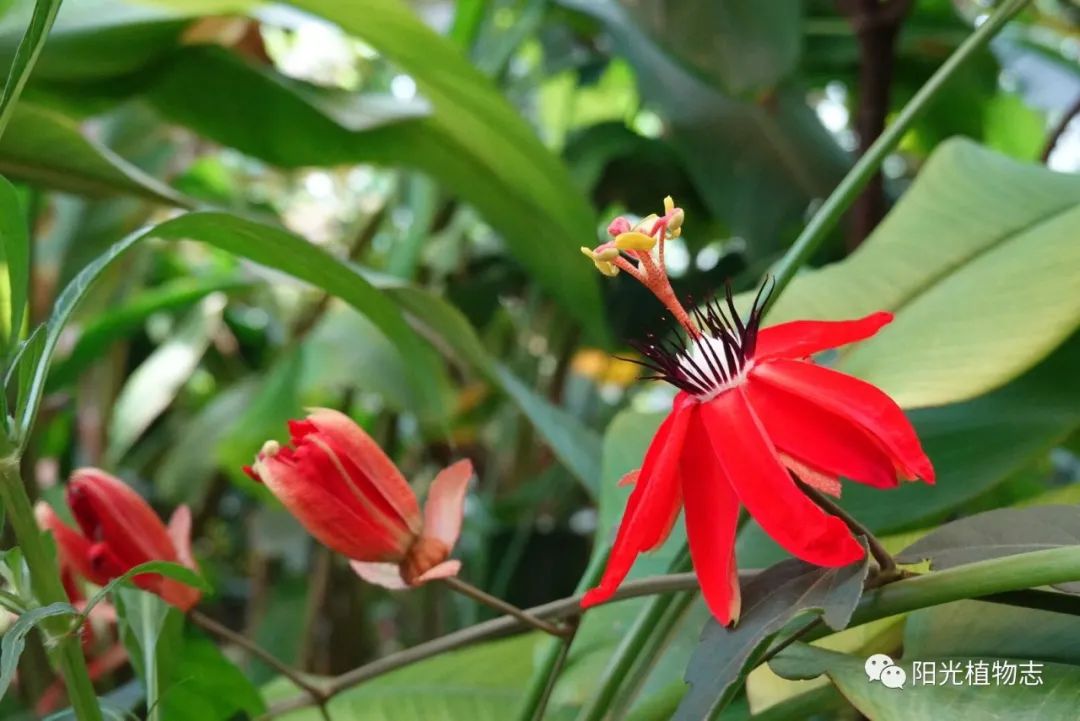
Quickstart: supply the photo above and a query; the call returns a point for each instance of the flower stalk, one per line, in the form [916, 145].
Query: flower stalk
[47, 587]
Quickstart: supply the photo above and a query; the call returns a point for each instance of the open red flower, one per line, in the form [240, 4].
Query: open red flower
[348, 494]
[752, 409]
[119, 531]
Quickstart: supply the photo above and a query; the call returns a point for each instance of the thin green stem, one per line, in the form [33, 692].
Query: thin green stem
[848, 190]
[647, 625]
[45, 581]
[546, 670]
[556, 669]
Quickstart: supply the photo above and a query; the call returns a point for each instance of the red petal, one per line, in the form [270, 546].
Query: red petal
[304, 486]
[818, 438]
[813, 477]
[859, 403]
[748, 460]
[653, 504]
[712, 514]
[368, 467]
[803, 338]
[108, 510]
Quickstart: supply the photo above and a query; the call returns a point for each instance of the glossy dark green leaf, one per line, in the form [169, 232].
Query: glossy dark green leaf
[770, 601]
[1000, 532]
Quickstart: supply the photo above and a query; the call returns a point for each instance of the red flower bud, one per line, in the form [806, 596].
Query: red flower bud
[121, 531]
[348, 494]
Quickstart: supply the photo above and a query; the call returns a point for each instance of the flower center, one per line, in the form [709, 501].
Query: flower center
[718, 345]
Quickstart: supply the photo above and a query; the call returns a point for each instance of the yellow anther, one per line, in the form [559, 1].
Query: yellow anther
[669, 204]
[675, 221]
[609, 269]
[606, 254]
[588, 253]
[634, 240]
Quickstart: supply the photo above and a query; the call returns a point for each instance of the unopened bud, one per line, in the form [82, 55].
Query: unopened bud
[618, 226]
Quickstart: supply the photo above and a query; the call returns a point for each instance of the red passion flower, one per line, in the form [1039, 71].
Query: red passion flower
[348, 494]
[752, 410]
[119, 530]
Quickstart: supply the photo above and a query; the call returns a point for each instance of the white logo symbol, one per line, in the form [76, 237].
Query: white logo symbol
[880, 667]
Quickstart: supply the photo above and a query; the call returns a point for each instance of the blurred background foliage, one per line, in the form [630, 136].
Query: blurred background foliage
[453, 156]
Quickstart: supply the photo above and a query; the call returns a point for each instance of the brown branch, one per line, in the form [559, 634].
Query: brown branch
[876, 24]
[496, 627]
[470, 591]
[1059, 130]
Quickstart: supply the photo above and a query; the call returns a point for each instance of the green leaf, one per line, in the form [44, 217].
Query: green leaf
[175, 571]
[740, 46]
[14, 641]
[1056, 698]
[482, 683]
[979, 264]
[45, 148]
[263, 244]
[143, 617]
[976, 628]
[113, 324]
[185, 675]
[152, 386]
[26, 55]
[15, 256]
[1002, 532]
[770, 601]
[478, 123]
[785, 158]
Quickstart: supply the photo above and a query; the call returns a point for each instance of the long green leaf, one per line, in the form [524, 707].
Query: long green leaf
[15, 250]
[979, 263]
[14, 641]
[476, 120]
[43, 147]
[25, 56]
[151, 388]
[263, 244]
[106, 328]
